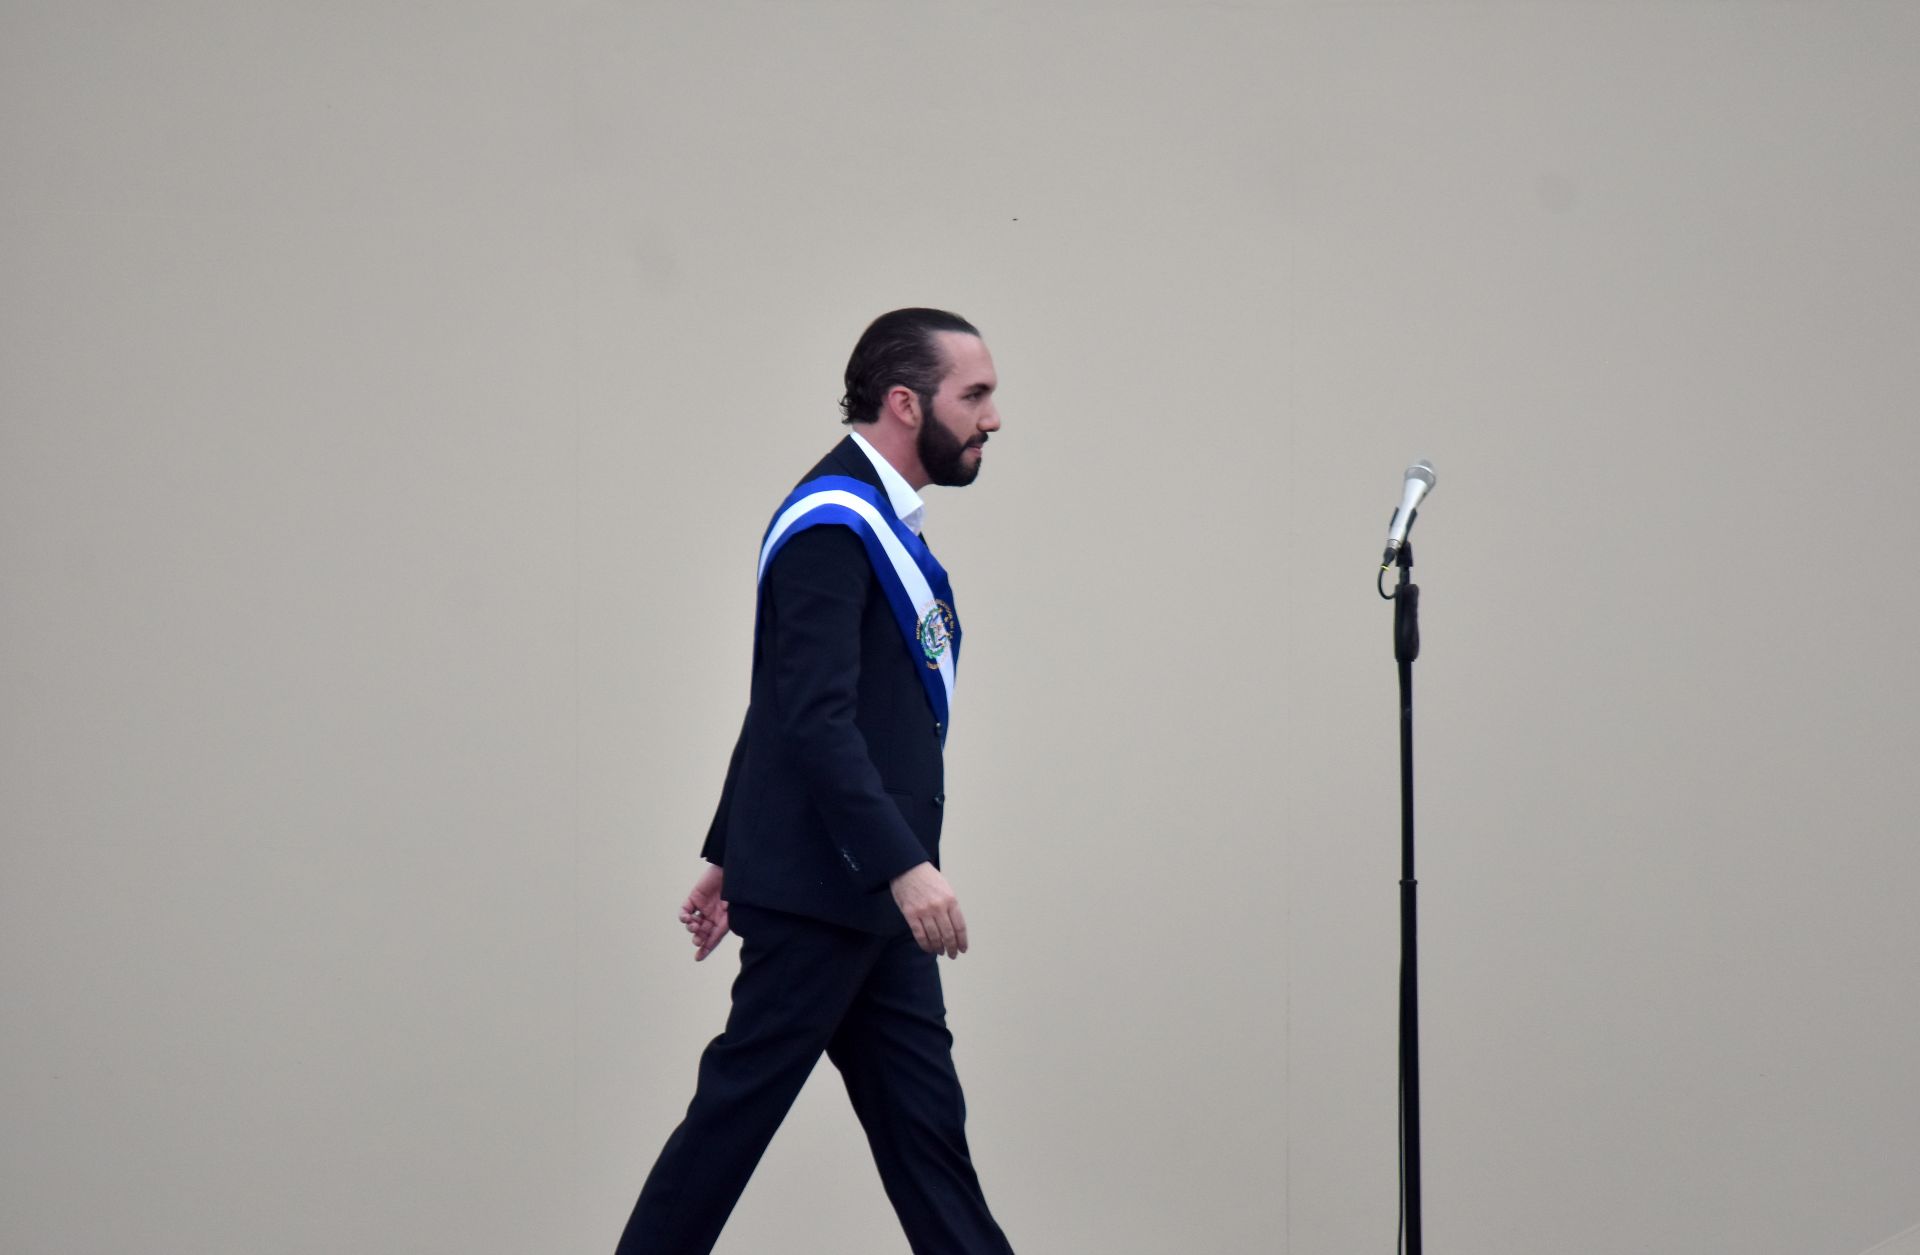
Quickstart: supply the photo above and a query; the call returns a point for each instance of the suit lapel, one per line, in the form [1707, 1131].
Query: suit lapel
[846, 459]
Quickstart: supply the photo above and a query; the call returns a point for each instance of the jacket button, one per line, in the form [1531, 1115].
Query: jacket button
[939, 799]
[937, 725]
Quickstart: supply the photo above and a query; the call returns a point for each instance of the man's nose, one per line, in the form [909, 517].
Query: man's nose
[990, 421]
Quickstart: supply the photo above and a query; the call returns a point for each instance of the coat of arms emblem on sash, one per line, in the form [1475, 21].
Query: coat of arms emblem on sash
[936, 632]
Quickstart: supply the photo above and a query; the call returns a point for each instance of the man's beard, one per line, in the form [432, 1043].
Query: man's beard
[943, 454]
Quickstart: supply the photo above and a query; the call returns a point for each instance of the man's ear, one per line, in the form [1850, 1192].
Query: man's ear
[904, 404]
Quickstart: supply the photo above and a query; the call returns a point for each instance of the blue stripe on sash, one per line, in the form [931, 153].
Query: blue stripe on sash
[907, 615]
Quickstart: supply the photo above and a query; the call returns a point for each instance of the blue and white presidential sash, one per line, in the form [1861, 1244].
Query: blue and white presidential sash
[915, 582]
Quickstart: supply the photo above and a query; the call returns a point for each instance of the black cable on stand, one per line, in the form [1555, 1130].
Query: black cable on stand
[1406, 648]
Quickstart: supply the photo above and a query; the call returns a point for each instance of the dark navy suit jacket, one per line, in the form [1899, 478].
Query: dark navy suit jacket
[836, 784]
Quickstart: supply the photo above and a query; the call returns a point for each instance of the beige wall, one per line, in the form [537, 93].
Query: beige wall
[392, 397]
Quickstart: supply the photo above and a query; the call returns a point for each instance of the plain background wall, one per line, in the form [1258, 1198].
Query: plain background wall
[392, 398]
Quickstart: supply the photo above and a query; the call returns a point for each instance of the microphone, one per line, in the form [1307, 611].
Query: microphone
[1419, 483]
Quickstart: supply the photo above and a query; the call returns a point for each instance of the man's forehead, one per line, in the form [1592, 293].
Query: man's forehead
[966, 355]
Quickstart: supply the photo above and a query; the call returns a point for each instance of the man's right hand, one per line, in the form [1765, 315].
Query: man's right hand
[933, 912]
[705, 911]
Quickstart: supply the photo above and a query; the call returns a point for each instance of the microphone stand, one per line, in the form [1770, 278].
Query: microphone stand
[1406, 648]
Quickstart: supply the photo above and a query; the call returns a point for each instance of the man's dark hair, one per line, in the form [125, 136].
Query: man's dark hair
[898, 349]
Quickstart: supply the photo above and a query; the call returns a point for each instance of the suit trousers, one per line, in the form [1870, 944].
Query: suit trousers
[873, 1005]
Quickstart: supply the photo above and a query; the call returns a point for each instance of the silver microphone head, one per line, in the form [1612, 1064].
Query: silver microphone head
[1419, 482]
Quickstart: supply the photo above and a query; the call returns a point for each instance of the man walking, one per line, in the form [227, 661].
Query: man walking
[824, 853]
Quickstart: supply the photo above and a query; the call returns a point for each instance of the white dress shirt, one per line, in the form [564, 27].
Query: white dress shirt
[906, 503]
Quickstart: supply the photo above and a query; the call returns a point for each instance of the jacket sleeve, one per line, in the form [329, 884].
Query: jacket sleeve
[816, 592]
[714, 850]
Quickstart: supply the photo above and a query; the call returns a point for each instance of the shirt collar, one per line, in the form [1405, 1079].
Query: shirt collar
[906, 503]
